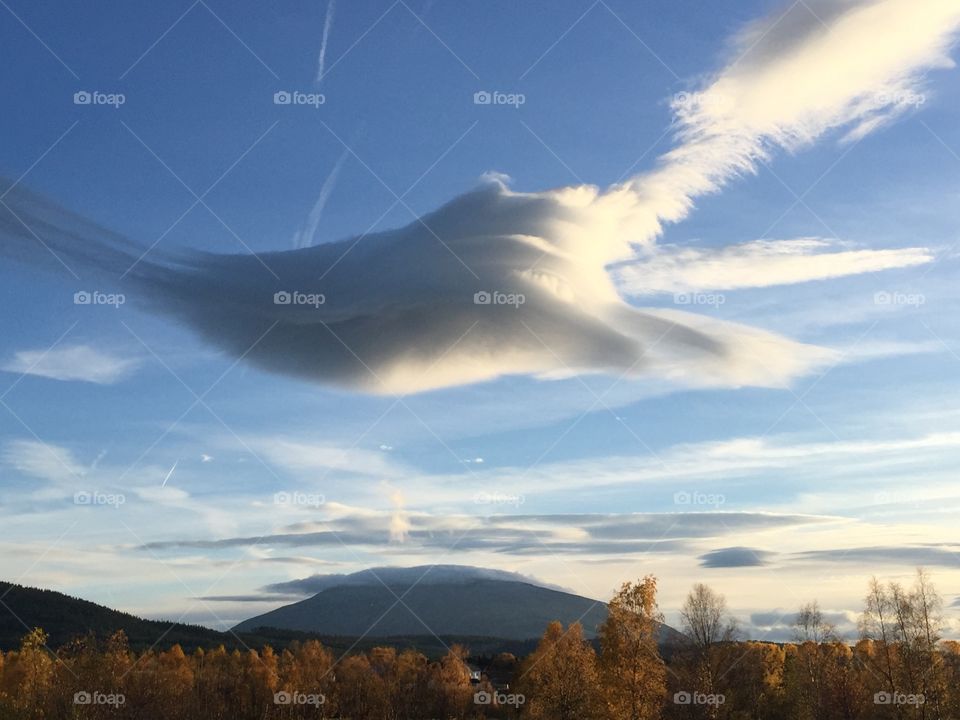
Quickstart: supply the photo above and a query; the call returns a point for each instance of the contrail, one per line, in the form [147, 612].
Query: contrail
[164, 483]
[327, 23]
[305, 236]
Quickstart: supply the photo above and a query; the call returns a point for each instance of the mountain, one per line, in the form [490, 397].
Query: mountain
[65, 618]
[489, 611]
[447, 600]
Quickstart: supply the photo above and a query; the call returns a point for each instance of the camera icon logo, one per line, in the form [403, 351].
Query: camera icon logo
[482, 298]
[82, 97]
[282, 698]
[682, 698]
[482, 698]
[681, 498]
[282, 97]
[282, 298]
[82, 498]
[482, 97]
[82, 298]
[82, 698]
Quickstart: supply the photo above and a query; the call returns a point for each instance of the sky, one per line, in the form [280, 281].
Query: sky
[577, 290]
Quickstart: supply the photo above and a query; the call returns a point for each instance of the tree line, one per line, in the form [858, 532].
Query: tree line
[899, 667]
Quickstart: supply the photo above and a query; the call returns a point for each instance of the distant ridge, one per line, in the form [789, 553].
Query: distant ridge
[64, 618]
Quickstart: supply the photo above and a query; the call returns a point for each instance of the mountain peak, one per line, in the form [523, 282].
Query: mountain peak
[419, 575]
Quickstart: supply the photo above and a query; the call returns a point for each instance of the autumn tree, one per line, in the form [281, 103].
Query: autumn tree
[560, 679]
[450, 684]
[807, 668]
[633, 674]
[756, 680]
[32, 674]
[708, 630]
[359, 691]
[904, 629]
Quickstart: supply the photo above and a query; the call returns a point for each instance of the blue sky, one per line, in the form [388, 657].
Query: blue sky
[809, 457]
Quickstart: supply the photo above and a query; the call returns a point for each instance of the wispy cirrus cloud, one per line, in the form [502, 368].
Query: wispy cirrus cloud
[83, 363]
[756, 264]
[44, 461]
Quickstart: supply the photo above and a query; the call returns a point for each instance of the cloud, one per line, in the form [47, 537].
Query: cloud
[779, 625]
[398, 311]
[399, 522]
[795, 76]
[392, 576]
[591, 534]
[772, 618]
[43, 460]
[913, 555]
[77, 362]
[715, 466]
[497, 282]
[306, 456]
[735, 557]
[759, 263]
[250, 598]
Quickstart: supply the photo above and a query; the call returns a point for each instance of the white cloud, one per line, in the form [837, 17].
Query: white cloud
[43, 460]
[305, 456]
[758, 263]
[795, 76]
[77, 362]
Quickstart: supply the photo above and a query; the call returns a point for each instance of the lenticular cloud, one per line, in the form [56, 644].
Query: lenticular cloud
[498, 282]
[492, 283]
